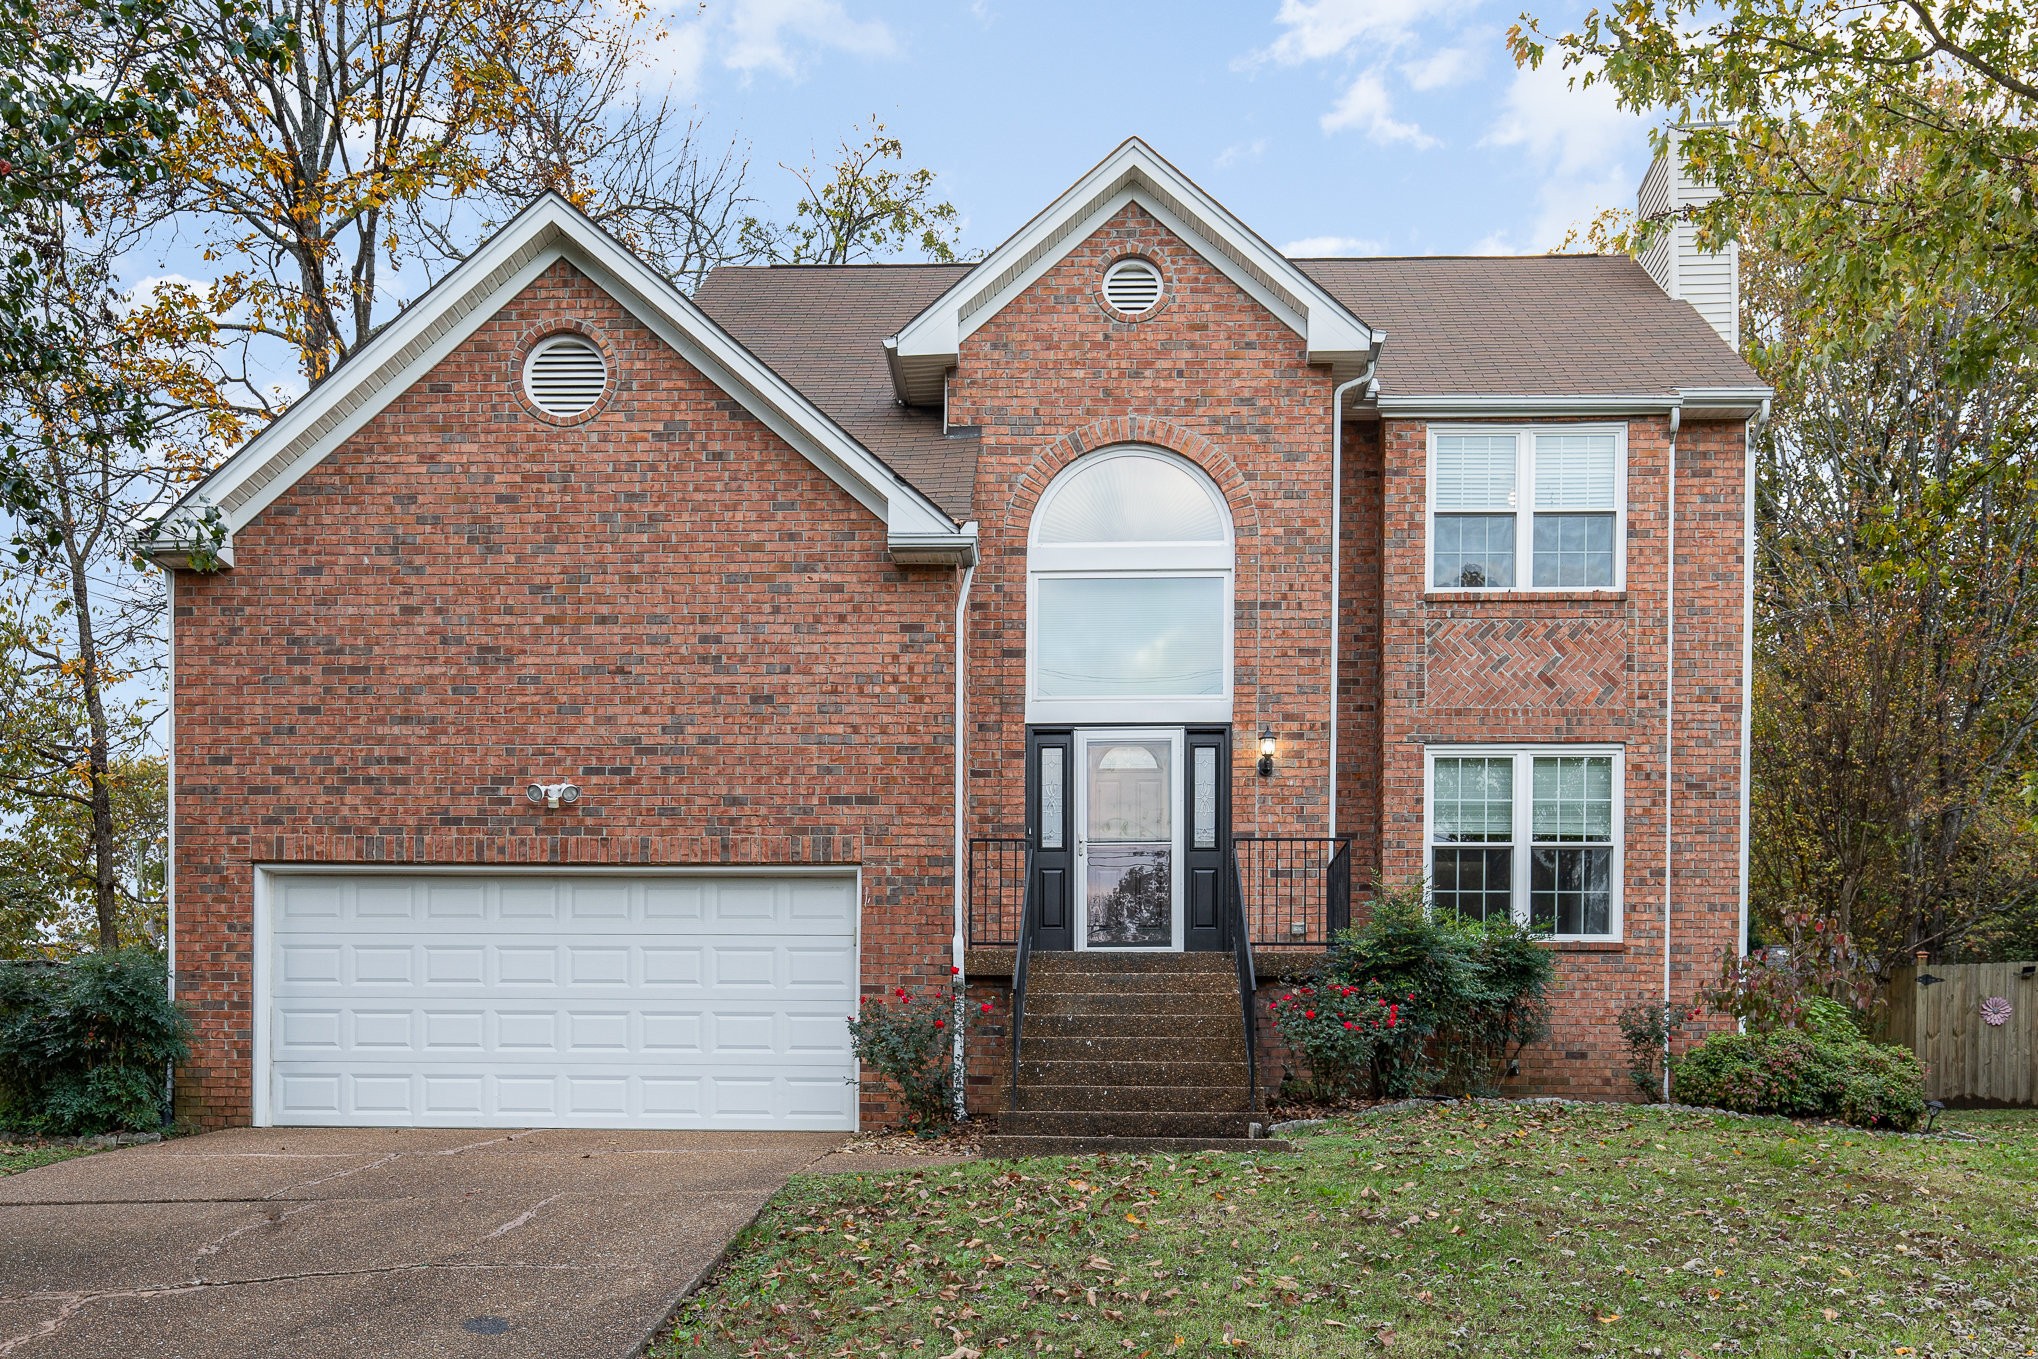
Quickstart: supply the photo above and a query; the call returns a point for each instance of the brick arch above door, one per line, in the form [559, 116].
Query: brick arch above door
[1118, 431]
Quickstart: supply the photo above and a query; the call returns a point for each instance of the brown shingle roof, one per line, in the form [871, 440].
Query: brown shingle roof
[1529, 325]
[1516, 325]
[822, 327]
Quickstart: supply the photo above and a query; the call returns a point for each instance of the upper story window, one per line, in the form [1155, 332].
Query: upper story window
[1129, 579]
[1543, 508]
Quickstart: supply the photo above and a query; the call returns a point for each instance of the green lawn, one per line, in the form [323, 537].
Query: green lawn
[15, 1158]
[1454, 1230]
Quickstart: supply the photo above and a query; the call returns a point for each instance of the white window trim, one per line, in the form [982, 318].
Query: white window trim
[1524, 821]
[1213, 560]
[1524, 511]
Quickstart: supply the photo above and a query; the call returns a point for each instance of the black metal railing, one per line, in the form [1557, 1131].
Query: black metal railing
[1297, 888]
[1022, 954]
[996, 889]
[1248, 984]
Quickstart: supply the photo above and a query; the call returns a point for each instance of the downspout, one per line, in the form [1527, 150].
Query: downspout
[1669, 729]
[959, 942]
[170, 775]
[1748, 568]
[170, 795]
[1337, 504]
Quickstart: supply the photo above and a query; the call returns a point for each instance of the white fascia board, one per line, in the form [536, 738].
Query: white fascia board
[913, 547]
[1725, 402]
[931, 341]
[1446, 406]
[430, 329]
[1702, 402]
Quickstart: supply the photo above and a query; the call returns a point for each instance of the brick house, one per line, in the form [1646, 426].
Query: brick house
[593, 690]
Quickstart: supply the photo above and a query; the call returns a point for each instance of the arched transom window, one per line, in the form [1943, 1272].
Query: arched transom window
[1129, 567]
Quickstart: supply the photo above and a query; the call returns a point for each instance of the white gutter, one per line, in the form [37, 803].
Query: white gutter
[1337, 502]
[1669, 733]
[1716, 400]
[959, 942]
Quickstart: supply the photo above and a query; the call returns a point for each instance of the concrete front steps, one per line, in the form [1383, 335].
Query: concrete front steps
[1141, 1053]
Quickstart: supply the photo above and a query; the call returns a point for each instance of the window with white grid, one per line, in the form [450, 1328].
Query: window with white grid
[1527, 833]
[1527, 509]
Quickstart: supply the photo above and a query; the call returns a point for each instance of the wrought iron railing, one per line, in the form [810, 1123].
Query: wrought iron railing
[1296, 889]
[1022, 954]
[1240, 940]
[996, 889]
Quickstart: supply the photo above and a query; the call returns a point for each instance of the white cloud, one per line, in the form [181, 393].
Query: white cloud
[1312, 30]
[1578, 140]
[1445, 66]
[1239, 153]
[1366, 105]
[144, 291]
[675, 56]
[1316, 247]
[773, 35]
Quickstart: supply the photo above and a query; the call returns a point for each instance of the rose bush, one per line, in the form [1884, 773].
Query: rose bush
[906, 1039]
[1341, 1029]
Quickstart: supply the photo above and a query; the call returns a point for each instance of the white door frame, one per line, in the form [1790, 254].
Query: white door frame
[262, 989]
[1079, 757]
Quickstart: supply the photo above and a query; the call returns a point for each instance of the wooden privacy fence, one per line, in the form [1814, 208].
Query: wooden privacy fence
[1973, 1025]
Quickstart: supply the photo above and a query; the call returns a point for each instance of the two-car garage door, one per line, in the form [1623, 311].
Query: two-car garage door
[537, 998]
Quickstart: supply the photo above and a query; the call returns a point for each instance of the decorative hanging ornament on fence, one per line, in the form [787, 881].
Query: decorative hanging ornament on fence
[1995, 1011]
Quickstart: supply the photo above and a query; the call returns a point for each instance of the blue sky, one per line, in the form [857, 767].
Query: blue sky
[1346, 126]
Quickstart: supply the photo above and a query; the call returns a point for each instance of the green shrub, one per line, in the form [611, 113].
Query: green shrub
[1463, 997]
[908, 1041]
[1885, 1088]
[86, 1046]
[1800, 1073]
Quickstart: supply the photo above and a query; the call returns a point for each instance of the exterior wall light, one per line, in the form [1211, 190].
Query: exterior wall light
[1266, 752]
[553, 794]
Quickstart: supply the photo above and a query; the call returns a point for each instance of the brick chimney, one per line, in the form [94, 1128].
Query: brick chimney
[1709, 280]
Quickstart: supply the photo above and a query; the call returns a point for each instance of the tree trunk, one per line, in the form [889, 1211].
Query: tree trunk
[98, 762]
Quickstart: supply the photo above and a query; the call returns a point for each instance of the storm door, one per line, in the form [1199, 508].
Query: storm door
[1128, 868]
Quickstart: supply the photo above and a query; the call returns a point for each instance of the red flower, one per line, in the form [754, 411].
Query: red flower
[899, 991]
[1348, 1023]
[954, 971]
[985, 1007]
[1309, 1014]
[940, 1024]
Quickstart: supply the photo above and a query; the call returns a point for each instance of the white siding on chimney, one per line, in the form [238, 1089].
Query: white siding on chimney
[1709, 280]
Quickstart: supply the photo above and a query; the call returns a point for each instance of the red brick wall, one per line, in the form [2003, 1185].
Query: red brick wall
[664, 603]
[1212, 376]
[1582, 668]
[671, 607]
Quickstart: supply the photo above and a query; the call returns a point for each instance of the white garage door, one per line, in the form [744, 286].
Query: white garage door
[528, 999]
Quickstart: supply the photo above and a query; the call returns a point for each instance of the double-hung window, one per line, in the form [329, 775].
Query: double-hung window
[1531, 834]
[1541, 508]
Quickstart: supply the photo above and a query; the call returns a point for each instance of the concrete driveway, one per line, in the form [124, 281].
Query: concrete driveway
[316, 1242]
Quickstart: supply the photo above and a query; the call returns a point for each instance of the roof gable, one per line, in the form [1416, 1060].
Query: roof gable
[930, 343]
[409, 347]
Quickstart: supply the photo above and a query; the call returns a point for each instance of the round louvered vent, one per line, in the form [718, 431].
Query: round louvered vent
[565, 376]
[1132, 286]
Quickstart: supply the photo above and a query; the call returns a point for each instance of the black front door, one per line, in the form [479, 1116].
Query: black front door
[1207, 819]
[1053, 801]
[1050, 825]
